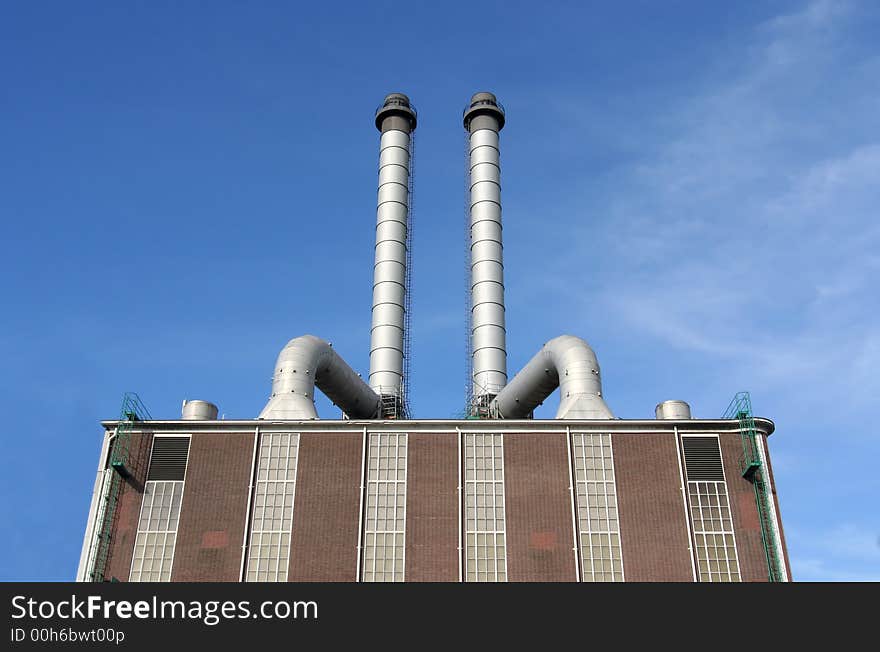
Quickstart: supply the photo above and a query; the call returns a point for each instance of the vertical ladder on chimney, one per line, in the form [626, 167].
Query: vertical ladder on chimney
[753, 470]
[119, 468]
[407, 315]
[468, 411]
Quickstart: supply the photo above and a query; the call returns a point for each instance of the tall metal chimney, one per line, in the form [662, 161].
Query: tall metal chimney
[483, 119]
[396, 120]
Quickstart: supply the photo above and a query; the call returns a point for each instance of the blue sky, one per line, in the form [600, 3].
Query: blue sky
[692, 187]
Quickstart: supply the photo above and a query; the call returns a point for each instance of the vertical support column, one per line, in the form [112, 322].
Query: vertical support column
[396, 119]
[250, 505]
[575, 534]
[684, 502]
[96, 511]
[774, 506]
[360, 546]
[483, 119]
[460, 494]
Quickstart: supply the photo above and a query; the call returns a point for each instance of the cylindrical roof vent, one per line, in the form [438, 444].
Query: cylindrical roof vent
[196, 410]
[673, 410]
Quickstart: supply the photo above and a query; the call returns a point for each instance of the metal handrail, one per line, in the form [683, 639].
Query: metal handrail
[399, 103]
[473, 105]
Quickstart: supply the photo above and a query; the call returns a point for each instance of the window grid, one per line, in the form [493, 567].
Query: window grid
[485, 547]
[272, 519]
[157, 531]
[713, 532]
[596, 502]
[385, 509]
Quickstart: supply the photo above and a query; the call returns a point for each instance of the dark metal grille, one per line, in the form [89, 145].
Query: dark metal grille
[168, 461]
[702, 457]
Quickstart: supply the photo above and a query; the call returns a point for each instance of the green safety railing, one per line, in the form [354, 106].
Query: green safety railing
[753, 470]
[120, 461]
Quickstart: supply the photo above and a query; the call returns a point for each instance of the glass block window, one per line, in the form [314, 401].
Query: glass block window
[485, 541]
[713, 532]
[272, 519]
[714, 543]
[596, 507]
[385, 508]
[157, 531]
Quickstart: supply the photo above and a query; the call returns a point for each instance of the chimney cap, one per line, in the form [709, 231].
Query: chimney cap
[396, 104]
[484, 103]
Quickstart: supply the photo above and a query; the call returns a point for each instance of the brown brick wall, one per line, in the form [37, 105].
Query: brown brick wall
[538, 508]
[214, 508]
[653, 529]
[325, 536]
[432, 508]
[128, 509]
[746, 523]
[325, 511]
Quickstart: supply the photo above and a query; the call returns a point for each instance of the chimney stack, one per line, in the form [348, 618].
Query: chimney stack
[396, 120]
[483, 119]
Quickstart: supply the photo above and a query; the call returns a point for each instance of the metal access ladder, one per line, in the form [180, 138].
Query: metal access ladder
[753, 470]
[118, 470]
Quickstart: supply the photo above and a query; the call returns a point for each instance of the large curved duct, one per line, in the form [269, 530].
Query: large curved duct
[566, 362]
[306, 362]
[396, 119]
[483, 119]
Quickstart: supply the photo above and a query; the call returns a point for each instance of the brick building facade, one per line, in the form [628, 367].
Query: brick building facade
[436, 501]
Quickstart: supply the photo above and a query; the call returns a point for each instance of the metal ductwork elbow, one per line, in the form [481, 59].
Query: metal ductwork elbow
[567, 362]
[306, 362]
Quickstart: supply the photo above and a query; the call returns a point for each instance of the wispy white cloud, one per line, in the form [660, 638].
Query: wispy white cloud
[754, 230]
[744, 232]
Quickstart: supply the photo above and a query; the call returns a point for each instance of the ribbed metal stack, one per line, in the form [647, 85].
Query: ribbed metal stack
[484, 118]
[396, 119]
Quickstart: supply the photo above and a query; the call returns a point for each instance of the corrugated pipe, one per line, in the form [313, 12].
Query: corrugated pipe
[566, 362]
[306, 362]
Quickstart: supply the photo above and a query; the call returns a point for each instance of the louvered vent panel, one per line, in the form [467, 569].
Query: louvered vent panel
[169, 458]
[702, 457]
